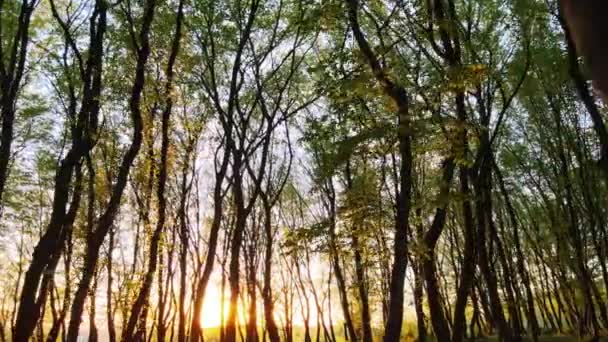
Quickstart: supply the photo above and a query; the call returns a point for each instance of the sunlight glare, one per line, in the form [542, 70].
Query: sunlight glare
[212, 308]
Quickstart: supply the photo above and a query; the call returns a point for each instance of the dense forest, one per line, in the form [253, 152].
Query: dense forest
[301, 170]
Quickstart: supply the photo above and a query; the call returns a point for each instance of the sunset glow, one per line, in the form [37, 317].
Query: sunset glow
[212, 308]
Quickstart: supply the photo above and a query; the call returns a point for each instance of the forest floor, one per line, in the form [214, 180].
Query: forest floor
[549, 339]
[212, 335]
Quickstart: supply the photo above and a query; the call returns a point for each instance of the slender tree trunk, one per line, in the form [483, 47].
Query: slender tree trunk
[183, 255]
[222, 300]
[93, 336]
[271, 326]
[109, 307]
[467, 273]
[418, 304]
[418, 290]
[331, 322]
[489, 276]
[48, 278]
[161, 328]
[252, 312]
[335, 260]
[438, 318]
[235, 248]
[361, 282]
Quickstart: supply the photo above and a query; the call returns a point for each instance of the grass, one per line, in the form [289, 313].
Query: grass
[546, 339]
[212, 335]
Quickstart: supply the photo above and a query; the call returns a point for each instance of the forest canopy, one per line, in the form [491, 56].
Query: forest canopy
[300, 170]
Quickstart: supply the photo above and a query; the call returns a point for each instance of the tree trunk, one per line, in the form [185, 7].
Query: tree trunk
[183, 254]
[582, 89]
[252, 312]
[93, 336]
[335, 260]
[271, 326]
[467, 272]
[109, 308]
[438, 317]
[489, 276]
[361, 282]
[418, 301]
[235, 248]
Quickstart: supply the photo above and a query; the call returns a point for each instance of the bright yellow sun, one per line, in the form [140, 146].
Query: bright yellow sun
[212, 308]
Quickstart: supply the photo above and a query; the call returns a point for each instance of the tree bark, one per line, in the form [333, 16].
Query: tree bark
[109, 307]
[582, 88]
[361, 282]
[183, 252]
[271, 326]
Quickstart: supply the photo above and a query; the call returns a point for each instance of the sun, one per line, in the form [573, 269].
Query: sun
[212, 311]
[212, 308]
